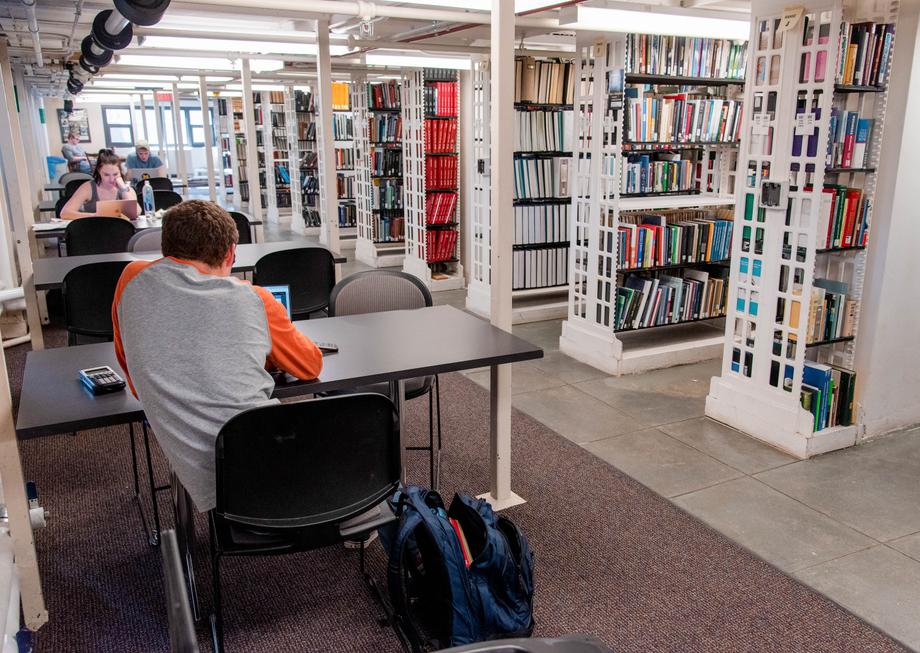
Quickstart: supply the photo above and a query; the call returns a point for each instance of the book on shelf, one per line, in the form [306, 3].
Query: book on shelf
[543, 131]
[389, 229]
[441, 99]
[303, 102]
[684, 56]
[850, 135]
[387, 162]
[543, 82]
[541, 177]
[646, 300]
[439, 207]
[387, 195]
[340, 96]
[648, 240]
[441, 244]
[345, 186]
[660, 172]
[342, 127]
[681, 118]
[440, 136]
[843, 220]
[548, 223]
[831, 312]
[348, 215]
[386, 128]
[441, 172]
[539, 268]
[828, 393]
[344, 158]
[863, 53]
[383, 96]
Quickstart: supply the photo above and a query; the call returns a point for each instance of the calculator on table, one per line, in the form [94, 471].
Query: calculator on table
[102, 380]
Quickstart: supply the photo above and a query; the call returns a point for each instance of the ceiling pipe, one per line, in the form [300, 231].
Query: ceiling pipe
[366, 44]
[211, 54]
[235, 36]
[33, 28]
[78, 11]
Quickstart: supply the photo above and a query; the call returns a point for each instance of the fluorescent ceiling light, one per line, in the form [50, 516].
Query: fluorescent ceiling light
[255, 87]
[203, 63]
[94, 97]
[140, 77]
[233, 45]
[479, 5]
[602, 19]
[416, 61]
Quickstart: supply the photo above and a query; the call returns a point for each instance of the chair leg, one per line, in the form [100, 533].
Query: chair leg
[155, 535]
[437, 398]
[184, 519]
[137, 486]
[431, 441]
[217, 618]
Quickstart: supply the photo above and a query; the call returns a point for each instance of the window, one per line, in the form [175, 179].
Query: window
[193, 133]
[195, 127]
[116, 121]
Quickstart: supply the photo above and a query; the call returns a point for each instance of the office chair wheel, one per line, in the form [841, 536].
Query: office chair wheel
[110, 41]
[142, 12]
[101, 60]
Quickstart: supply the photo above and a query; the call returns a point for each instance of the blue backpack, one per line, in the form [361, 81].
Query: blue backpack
[436, 598]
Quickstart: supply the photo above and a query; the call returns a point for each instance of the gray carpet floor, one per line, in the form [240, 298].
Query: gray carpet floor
[612, 558]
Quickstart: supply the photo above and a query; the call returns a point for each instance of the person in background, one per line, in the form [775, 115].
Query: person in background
[107, 184]
[197, 344]
[77, 161]
[142, 162]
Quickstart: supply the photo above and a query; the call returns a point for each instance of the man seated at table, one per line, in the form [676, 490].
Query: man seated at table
[196, 343]
[142, 162]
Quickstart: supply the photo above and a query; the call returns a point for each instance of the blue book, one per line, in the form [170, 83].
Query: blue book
[818, 376]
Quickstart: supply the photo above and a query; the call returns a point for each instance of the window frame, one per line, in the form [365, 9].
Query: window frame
[107, 126]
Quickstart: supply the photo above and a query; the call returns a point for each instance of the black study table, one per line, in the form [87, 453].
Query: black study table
[49, 273]
[53, 400]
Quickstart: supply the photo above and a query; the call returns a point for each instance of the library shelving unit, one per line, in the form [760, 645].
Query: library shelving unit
[303, 144]
[277, 153]
[246, 184]
[800, 242]
[227, 135]
[650, 229]
[431, 162]
[346, 170]
[542, 160]
[378, 142]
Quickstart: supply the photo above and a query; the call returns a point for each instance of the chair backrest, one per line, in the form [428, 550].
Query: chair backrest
[88, 292]
[312, 463]
[156, 183]
[58, 205]
[242, 226]
[309, 271]
[97, 235]
[373, 291]
[70, 176]
[182, 637]
[163, 199]
[71, 186]
[146, 240]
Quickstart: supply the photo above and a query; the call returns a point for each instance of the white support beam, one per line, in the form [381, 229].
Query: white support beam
[161, 129]
[180, 140]
[252, 154]
[329, 233]
[144, 119]
[502, 169]
[208, 141]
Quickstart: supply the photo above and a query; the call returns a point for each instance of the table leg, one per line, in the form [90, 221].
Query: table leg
[398, 395]
[500, 494]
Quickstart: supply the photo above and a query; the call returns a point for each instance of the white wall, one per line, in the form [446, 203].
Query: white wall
[888, 344]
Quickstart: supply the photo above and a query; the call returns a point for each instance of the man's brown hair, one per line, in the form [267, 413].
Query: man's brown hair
[198, 230]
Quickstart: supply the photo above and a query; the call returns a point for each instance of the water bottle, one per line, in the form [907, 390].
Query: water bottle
[147, 196]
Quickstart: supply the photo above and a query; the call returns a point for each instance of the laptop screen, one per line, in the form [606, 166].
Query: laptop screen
[282, 294]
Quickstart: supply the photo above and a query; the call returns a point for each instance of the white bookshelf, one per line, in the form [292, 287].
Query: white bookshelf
[227, 140]
[446, 275]
[268, 156]
[759, 389]
[348, 233]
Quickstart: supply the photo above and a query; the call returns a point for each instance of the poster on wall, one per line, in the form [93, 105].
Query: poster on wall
[76, 120]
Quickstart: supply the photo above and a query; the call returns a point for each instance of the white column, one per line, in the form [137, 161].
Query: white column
[144, 119]
[161, 131]
[252, 154]
[221, 184]
[180, 139]
[502, 169]
[208, 141]
[329, 234]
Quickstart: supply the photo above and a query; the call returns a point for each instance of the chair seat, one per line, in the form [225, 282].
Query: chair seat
[416, 387]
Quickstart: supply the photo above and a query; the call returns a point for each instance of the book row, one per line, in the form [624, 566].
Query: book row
[306, 130]
[539, 268]
[542, 131]
[388, 194]
[850, 136]
[681, 118]
[831, 311]
[348, 215]
[440, 207]
[345, 187]
[441, 172]
[387, 162]
[827, 393]
[843, 220]
[344, 158]
[684, 56]
[385, 128]
[342, 127]
[441, 98]
[303, 102]
[440, 136]
[441, 244]
[863, 54]
[645, 301]
[658, 173]
[383, 96]
[389, 229]
[547, 223]
[543, 82]
[541, 178]
[654, 240]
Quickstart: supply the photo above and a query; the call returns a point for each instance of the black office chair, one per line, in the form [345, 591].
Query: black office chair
[567, 644]
[156, 183]
[164, 199]
[242, 226]
[309, 271]
[71, 187]
[374, 291]
[59, 205]
[97, 235]
[146, 240]
[69, 176]
[302, 476]
[178, 613]
[88, 292]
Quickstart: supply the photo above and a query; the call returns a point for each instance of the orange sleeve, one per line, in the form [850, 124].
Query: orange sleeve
[131, 270]
[292, 351]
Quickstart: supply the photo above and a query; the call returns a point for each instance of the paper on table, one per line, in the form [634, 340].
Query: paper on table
[48, 226]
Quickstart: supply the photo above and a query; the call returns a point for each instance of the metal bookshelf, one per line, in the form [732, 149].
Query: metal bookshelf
[759, 390]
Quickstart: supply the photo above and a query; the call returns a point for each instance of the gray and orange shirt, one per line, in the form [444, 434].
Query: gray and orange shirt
[196, 348]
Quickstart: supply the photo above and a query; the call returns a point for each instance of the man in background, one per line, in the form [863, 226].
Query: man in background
[142, 162]
[77, 161]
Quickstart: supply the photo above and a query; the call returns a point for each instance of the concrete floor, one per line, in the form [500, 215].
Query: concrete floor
[845, 523]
